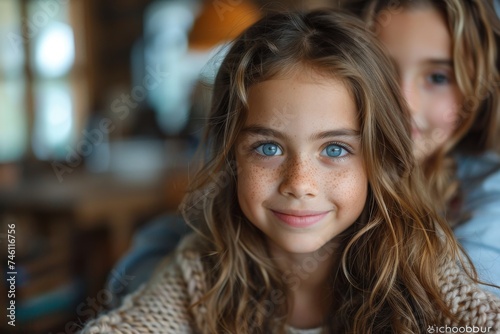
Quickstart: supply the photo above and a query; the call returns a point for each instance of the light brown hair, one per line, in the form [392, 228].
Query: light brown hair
[386, 280]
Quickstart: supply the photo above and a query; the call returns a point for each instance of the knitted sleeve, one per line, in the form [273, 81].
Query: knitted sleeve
[160, 306]
[467, 300]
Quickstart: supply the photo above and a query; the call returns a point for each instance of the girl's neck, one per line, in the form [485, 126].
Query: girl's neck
[308, 279]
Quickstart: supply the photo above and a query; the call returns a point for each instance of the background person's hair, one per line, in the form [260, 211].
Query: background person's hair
[386, 280]
[475, 33]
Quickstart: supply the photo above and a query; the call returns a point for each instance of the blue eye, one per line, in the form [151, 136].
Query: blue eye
[269, 149]
[439, 79]
[334, 151]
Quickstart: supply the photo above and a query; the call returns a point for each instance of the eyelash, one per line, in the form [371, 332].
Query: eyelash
[433, 76]
[346, 147]
[446, 75]
[254, 147]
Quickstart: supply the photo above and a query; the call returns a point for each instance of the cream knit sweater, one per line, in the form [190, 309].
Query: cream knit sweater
[162, 305]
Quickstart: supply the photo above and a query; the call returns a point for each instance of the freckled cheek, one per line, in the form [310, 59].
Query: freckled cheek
[348, 190]
[256, 183]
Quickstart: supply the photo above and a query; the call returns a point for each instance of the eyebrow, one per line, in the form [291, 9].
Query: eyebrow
[336, 133]
[429, 61]
[439, 61]
[268, 132]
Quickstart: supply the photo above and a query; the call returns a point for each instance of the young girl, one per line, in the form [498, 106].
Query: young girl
[309, 210]
[446, 53]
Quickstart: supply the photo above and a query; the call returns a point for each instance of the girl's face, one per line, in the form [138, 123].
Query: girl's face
[420, 44]
[301, 176]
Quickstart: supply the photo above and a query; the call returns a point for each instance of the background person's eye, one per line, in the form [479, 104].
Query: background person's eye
[334, 151]
[268, 149]
[439, 78]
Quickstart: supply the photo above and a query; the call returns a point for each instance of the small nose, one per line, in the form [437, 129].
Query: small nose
[299, 178]
[411, 94]
[414, 96]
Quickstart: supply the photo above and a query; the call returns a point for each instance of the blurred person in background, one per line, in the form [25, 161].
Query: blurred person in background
[446, 55]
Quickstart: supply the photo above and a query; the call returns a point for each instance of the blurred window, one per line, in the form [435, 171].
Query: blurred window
[52, 56]
[13, 118]
[37, 79]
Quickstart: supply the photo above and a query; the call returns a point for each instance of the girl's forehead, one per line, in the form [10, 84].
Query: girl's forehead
[305, 102]
[304, 71]
[301, 75]
[302, 82]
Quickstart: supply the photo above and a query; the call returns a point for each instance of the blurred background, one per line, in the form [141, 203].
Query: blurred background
[101, 109]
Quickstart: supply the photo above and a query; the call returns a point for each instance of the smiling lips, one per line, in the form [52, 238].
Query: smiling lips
[300, 219]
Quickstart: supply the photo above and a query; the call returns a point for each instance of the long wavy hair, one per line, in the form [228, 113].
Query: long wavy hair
[386, 280]
[475, 33]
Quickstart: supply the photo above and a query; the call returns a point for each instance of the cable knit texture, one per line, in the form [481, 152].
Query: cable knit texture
[162, 305]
